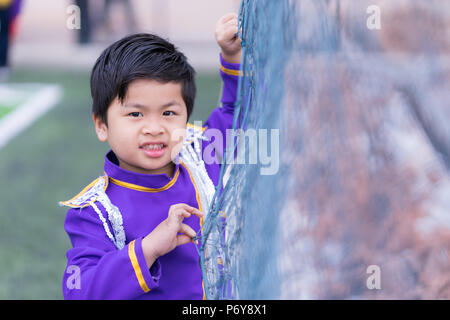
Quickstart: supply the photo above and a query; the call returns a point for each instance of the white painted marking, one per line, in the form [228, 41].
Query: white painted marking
[23, 116]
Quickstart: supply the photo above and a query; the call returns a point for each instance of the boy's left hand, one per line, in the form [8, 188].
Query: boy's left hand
[227, 38]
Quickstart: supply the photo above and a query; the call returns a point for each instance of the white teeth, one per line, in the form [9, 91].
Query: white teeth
[153, 146]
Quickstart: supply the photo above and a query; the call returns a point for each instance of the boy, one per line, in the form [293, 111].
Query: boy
[132, 229]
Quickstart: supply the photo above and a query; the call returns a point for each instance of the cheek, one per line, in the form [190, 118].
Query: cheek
[121, 137]
[177, 133]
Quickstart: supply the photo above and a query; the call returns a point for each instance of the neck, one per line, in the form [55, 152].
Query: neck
[168, 169]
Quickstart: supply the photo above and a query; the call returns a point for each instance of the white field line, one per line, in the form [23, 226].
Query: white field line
[24, 115]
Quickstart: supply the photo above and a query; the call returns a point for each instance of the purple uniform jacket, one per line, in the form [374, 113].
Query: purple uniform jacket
[97, 268]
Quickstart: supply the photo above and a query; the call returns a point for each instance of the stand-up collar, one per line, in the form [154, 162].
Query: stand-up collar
[137, 181]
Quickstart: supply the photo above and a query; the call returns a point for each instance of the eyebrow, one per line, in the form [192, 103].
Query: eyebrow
[141, 106]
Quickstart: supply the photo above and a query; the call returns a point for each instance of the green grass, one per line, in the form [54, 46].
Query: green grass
[4, 111]
[52, 161]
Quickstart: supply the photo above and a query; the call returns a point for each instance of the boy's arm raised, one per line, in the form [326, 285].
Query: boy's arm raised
[230, 58]
[230, 44]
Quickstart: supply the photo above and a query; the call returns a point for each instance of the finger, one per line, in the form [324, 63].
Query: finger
[179, 208]
[182, 206]
[230, 33]
[233, 21]
[184, 213]
[190, 209]
[187, 230]
[230, 25]
[228, 17]
[183, 239]
[195, 211]
[176, 216]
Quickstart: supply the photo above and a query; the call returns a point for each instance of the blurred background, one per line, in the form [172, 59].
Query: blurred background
[48, 147]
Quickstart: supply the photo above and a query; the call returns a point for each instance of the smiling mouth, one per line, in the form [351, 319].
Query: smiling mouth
[153, 150]
[156, 146]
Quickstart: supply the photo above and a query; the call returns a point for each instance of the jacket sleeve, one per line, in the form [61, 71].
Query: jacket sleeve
[221, 118]
[96, 269]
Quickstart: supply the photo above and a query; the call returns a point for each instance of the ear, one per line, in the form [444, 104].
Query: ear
[100, 128]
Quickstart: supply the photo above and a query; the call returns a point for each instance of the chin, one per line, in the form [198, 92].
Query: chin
[157, 165]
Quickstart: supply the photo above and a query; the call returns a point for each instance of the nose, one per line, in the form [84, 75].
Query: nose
[152, 127]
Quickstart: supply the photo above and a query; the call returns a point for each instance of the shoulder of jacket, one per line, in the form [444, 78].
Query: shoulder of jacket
[194, 134]
[88, 195]
[193, 130]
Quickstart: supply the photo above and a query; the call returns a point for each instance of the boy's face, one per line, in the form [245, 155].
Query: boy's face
[146, 131]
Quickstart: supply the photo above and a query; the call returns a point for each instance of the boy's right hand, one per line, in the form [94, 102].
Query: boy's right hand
[227, 38]
[165, 237]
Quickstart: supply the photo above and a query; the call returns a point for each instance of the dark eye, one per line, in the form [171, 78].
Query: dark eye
[135, 114]
[168, 113]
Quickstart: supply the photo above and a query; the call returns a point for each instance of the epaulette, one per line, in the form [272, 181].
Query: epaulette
[194, 132]
[94, 194]
[88, 195]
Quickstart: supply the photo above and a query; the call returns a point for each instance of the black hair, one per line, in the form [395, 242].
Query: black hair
[139, 56]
